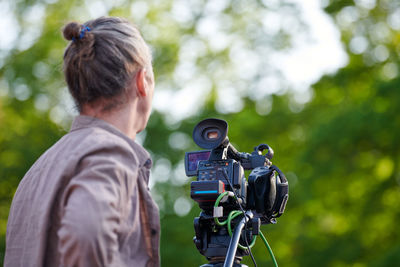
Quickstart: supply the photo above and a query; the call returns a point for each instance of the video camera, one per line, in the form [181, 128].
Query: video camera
[219, 169]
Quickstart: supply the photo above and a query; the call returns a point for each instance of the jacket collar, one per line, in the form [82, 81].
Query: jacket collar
[82, 121]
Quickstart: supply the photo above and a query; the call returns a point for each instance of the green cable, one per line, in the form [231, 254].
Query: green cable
[269, 249]
[232, 215]
[216, 205]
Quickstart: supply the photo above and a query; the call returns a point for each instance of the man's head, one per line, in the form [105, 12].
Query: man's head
[102, 63]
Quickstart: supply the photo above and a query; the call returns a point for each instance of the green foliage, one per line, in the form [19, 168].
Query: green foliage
[340, 150]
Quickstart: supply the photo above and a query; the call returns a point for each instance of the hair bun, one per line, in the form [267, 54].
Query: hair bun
[72, 30]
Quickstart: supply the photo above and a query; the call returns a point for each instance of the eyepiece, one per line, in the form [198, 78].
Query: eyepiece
[210, 133]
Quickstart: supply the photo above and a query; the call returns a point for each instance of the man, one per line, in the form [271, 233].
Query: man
[86, 202]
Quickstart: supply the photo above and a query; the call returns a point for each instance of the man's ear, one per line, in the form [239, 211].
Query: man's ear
[141, 82]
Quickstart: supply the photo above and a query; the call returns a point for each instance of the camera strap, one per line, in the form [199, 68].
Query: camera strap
[282, 192]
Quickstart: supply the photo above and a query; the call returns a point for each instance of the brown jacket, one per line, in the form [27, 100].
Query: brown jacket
[85, 202]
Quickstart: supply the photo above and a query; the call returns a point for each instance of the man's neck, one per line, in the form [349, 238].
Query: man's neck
[125, 118]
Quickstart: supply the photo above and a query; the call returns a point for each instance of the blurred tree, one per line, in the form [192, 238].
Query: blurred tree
[339, 150]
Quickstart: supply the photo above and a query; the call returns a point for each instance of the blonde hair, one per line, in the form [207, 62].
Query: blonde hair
[102, 58]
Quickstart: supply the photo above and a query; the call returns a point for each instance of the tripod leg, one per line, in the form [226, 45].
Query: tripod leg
[230, 257]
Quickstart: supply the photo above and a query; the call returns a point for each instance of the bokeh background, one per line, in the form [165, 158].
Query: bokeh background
[316, 80]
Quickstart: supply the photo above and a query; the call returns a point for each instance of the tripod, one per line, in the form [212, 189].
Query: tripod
[216, 244]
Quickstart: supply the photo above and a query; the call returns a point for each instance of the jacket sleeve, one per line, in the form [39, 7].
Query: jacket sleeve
[91, 212]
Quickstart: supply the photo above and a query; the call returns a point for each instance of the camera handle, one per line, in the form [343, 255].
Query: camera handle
[235, 240]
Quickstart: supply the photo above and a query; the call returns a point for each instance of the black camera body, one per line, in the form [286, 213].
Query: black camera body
[221, 167]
